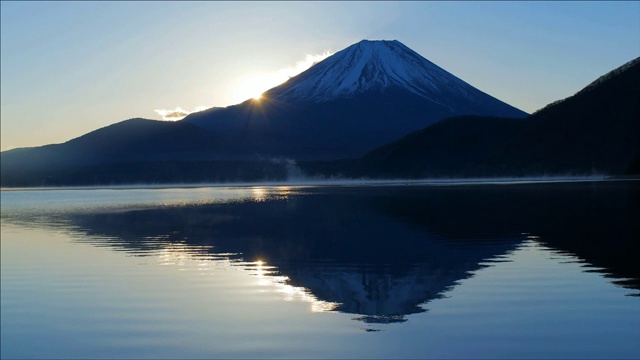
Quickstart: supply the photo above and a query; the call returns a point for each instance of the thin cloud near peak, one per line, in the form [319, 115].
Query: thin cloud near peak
[178, 113]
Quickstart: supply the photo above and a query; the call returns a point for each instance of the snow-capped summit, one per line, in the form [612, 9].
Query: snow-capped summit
[371, 65]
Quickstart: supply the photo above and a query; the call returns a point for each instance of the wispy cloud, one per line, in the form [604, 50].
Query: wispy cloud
[254, 85]
[178, 113]
[282, 75]
[303, 65]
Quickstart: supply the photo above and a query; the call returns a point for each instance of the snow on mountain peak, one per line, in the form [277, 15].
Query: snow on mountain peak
[370, 65]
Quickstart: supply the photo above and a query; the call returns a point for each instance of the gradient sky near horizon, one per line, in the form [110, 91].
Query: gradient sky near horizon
[68, 68]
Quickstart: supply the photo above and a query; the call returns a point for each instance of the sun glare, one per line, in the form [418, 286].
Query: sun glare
[254, 85]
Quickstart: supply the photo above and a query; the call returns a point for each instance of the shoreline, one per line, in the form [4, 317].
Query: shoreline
[345, 183]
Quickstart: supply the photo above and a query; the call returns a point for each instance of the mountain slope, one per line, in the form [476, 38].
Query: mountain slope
[597, 130]
[376, 66]
[129, 141]
[359, 98]
[456, 146]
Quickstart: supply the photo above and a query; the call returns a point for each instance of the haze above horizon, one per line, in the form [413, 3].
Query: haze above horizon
[70, 68]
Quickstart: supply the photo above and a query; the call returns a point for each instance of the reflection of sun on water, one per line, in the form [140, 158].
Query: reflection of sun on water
[260, 273]
[266, 277]
[183, 255]
[283, 191]
[199, 258]
[259, 194]
[174, 254]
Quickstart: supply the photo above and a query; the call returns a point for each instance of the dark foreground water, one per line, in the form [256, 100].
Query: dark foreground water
[483, 271]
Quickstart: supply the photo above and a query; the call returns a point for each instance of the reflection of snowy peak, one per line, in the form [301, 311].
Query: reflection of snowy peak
[372, 65]
[380, 296]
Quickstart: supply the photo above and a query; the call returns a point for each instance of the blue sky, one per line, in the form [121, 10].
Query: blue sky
[68, 68]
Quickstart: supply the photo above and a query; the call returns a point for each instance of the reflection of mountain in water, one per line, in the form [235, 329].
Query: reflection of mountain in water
[379, 294]
[596, 222]
[336, 243]
[383, 252]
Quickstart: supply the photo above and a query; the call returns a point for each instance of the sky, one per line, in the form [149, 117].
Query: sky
[68, 68]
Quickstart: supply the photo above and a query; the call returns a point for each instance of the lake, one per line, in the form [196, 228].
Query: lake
[379, 270]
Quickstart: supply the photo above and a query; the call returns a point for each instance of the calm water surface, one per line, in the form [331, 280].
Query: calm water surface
[482, 271]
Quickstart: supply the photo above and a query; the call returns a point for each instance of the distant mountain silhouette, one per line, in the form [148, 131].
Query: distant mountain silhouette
[595, 131]
[129, 140]
[113, 154]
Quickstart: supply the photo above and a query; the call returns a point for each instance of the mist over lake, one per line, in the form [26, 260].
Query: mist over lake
[378, 270]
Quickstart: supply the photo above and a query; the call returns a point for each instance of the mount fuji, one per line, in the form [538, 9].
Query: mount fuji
[377, 66]
[364, 96]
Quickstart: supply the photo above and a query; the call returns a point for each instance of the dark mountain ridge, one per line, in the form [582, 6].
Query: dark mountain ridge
[128, 140]
[105, 155]
[454, 147]
[595, 131]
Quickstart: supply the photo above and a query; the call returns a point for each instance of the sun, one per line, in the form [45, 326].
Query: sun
[253, 86]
